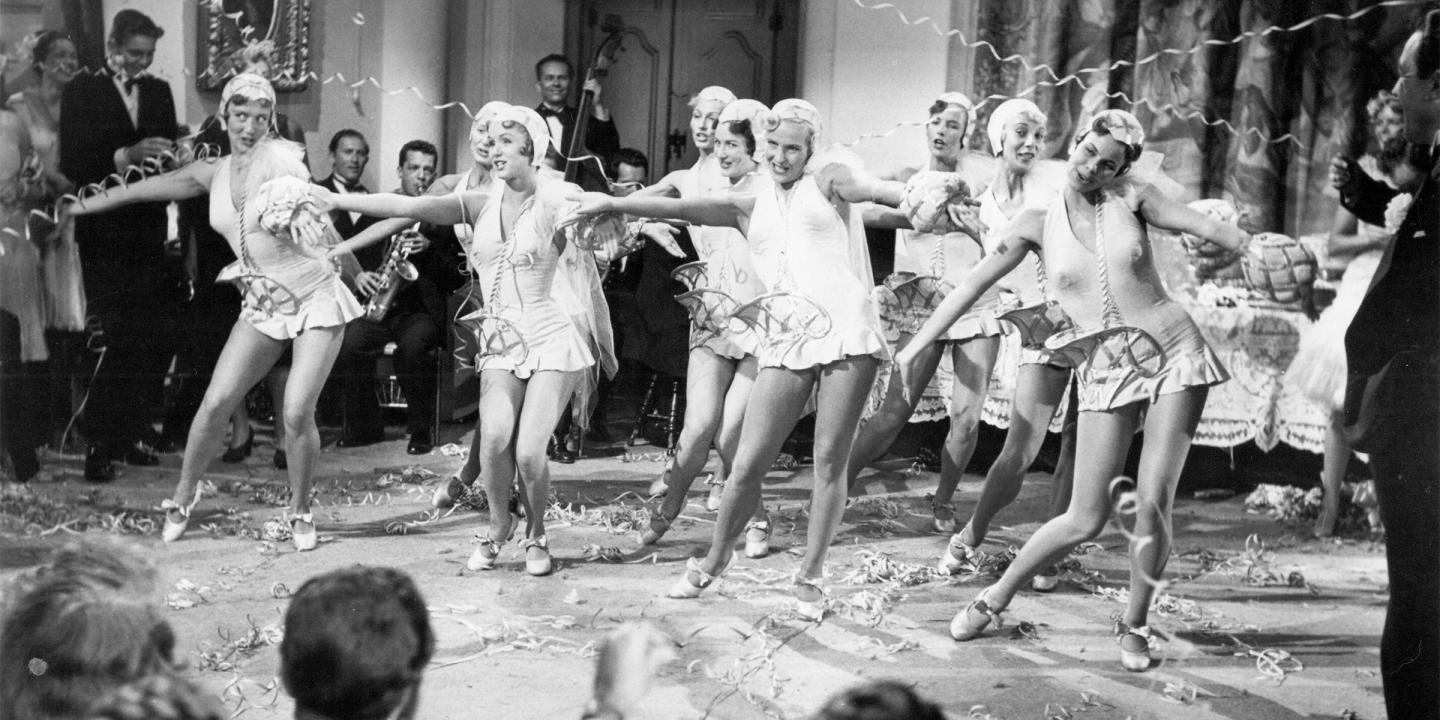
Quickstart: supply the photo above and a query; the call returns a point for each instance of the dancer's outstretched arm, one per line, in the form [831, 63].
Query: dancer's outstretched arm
[1166, 214]
[715, 211]
[434, 209]
[190, 181]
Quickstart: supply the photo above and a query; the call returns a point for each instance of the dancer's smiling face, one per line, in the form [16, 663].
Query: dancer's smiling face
[1096, 160]
[513, 150]
[733, 151]
[703, 119]
[1022, 142]
[787, 149]
[946, 132]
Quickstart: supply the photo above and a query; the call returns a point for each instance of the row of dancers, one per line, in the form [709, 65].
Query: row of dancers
[786, 320]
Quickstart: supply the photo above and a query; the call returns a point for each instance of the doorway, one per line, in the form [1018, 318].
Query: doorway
[670, 49]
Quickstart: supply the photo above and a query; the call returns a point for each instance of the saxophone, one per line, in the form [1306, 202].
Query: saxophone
[395, 273]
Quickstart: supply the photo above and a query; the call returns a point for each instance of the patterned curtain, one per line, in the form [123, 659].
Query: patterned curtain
[1311, 83]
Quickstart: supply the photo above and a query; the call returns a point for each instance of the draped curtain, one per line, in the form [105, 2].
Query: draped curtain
[1311, 83]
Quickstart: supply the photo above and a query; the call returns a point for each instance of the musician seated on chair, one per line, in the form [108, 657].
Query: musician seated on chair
[554, 74]
[405, 289]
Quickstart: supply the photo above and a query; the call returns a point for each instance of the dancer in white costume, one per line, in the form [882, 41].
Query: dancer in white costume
[929, 266]
[822, 334]
[261, 201]
[722, 362]
[475, 180]
[1017, 136]
[1095, 247]
[534, 352]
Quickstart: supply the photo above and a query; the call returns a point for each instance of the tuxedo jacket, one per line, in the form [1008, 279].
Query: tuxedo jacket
[1399, 319]
[369, 257]
[93, 125]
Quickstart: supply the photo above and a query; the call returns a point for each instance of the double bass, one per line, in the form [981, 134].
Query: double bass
[582, 167]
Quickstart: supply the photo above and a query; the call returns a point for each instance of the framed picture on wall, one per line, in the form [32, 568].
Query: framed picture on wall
[271, 37]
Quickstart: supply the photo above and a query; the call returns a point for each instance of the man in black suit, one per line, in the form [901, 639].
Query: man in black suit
[349, 155]
[115, 121]
[1392, 399]
[413, 323]
[554, 75]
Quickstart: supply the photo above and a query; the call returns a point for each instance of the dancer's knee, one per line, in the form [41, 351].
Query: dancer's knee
[299, 421]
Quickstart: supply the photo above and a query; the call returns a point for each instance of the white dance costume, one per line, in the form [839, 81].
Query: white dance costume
[1025, 285]
[949, 257]
[802, 245]
[728, 267]
[1319, 368]
[291, 287]
[1135, 285]
[517, 269]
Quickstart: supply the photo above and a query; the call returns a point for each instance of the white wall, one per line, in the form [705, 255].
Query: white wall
[867, 71]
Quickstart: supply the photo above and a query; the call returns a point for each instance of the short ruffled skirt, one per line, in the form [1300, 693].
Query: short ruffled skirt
[733, 345]
[282, 305]
[854, 330]
[551, 342]
[1189, 362]
[1319, 369]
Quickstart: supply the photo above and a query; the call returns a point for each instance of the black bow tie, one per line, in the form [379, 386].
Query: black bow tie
[546, 112]
[130, 84]
[347, 187]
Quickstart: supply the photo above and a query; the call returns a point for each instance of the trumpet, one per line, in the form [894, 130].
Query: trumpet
[395, 273]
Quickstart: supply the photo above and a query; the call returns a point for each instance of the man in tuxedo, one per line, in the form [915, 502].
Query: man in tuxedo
[413, 323]
[554, 75]
[1392, 398]
[349, 154]
[116, 121]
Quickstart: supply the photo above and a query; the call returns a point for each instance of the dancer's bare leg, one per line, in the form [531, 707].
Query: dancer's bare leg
[275, 381]
[974, 361]
[878, 431]
[1332, 474]
[1106, 437]
[247, 355]
[840, 399]
[547, 393]
[707, 377]
[776, 402]
[313, 354]
[501, 395]
[1038, 391]
[1169, 428]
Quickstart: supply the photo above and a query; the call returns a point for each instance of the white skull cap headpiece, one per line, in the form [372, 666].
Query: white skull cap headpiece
[797, 111]
[714, 93]
[486, 113]
[1007, 111]
[1122, 126]
[957, 98]
[249, 87]
[534, 125]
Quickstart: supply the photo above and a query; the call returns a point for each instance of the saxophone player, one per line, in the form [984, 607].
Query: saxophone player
[409, 313]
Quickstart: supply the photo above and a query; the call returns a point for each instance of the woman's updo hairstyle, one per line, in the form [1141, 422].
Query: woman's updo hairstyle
[797, 111]
[45, 42]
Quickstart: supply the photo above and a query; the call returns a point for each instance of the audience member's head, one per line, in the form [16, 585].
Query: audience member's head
[88, 622]
[162, 696]
[356, 644]
[881, 700]
[418, 159]
[1387, 120]
[349, 154]
[628, 169]
[553, 75]
[54, 54]
[131, 44]
[1419, 85]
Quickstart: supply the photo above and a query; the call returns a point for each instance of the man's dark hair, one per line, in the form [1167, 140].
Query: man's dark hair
[880, 700]
[421, 146]
[347, 132]
[1427, 56]
[628, 156]
[554, 58]
[356, 643]
[129, 23]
